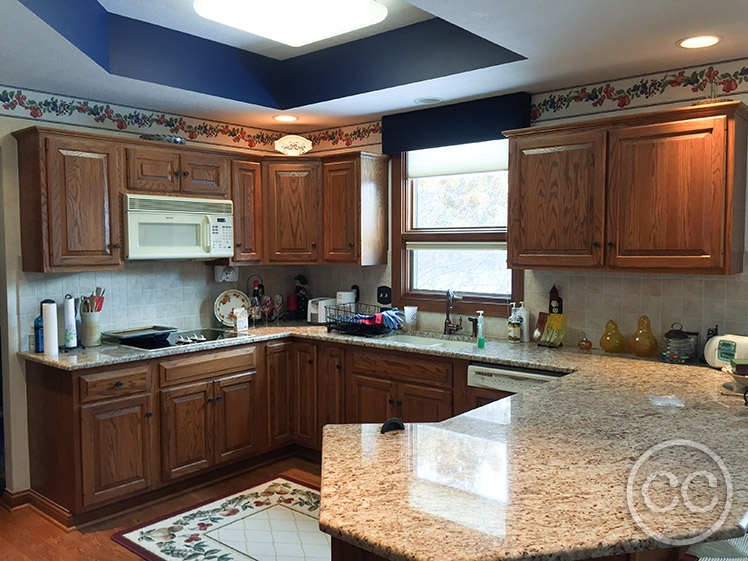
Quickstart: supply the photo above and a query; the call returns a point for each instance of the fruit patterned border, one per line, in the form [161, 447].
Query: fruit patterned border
[15, 102]
[715, 80]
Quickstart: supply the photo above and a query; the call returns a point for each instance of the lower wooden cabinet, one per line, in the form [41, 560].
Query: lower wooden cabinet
[305, 423]
[369, 399]
[239, 430]
[117, 448]
[419, 404]
[278, 368]
[331, 386]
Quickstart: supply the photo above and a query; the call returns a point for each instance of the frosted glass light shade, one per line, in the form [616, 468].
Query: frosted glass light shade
[293, 145]
[293, 22]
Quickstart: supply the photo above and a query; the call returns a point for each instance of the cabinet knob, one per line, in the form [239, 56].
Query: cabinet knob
[211, 400]
[611, 244]
[399, 402]
[219, 398]
[350, 244]
[117, 245]
[391, 401]
[118, 384]
[177, 173]
[148, 415]
[239, 244]
[185, 173]
[338, 367]
[310, 361]
[314, 244]
[595, 244]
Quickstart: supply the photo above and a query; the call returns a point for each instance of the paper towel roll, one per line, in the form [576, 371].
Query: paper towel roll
[68, 314]
[49, 317]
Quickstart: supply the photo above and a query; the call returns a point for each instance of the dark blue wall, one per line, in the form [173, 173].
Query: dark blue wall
[460, 123]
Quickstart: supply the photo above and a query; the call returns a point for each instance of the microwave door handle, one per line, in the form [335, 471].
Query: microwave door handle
[206, 235]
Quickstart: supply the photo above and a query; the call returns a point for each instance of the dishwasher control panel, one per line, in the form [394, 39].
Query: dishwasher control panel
[507, 379]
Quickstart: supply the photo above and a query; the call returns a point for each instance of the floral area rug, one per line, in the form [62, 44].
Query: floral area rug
[274, 521]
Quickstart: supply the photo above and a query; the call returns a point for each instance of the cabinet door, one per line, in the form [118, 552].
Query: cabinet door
[557, 200]
[247, 196]
[236, 434]
[116, 448]
[331, 379]
[369, 400]
[83, 202]
[341, 186]
[279, 372]
[186, 429]
[292, 203]
[419, 404]
[666, 199]
[304, 386]
[153, 170]
[205, 175]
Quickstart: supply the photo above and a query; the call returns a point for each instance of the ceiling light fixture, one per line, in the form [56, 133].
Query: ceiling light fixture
[286, 118]
[427, 100]
[293, 22]
[699, 42]
[293, 145]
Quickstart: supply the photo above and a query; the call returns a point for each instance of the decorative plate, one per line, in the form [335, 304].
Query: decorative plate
[226, 302]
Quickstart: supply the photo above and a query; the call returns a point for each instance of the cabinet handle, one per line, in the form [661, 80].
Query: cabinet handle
[219, 398]
[310, 361]
[239, 244]
[314, 245]
[338, 367]
[391, 401]
[185, 173]
[595, 244]
[148, 415]
[118, 384]
[350, 244]
[117, 246]
[177, 173]
[611, 244]
[210, 400]
[399, 402]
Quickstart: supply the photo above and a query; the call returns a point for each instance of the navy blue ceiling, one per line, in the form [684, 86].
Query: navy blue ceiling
[135, 49]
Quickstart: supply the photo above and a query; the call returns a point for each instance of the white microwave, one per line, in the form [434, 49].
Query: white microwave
[159, 227]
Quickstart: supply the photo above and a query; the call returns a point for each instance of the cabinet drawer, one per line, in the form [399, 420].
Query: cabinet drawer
[124, 381]
[404, 368]
[207, 365]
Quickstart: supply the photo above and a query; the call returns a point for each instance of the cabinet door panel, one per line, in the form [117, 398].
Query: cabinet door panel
[186, 429]
[152, 170]
[305, 389]
[279, 372]
[557, 200]
[83, 202]
[236, 433]
[292, 212]
[205, 175]
[369, 400]
[341, 186]
[247, 196]
[331, 377]
[666, 202]
[116, 448]
[420, 404]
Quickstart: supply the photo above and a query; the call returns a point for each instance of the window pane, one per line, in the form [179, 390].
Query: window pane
[479, 271]
[474, 200]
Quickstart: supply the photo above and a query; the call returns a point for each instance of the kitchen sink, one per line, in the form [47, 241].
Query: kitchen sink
[428, 342]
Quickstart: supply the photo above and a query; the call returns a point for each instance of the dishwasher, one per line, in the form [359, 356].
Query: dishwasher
[508, 379]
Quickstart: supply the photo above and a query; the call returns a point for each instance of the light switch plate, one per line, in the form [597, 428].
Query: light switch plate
[226, 274]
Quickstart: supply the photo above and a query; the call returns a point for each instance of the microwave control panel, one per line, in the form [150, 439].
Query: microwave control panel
[221, 236]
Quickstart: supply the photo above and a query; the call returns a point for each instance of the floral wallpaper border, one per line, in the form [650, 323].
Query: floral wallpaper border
[714, 80]
[15, 102]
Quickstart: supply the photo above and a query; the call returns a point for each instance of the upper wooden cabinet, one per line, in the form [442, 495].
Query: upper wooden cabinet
[246, 193]
[70, 202]
[168, 170]
[656, 192]
[355, 208]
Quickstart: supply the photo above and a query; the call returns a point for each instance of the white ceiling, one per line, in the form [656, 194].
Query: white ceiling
[566, 43]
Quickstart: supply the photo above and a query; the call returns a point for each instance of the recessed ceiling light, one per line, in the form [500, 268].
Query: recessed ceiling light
[699, 42]
[286, 118]
[428, 100]
[293, 22]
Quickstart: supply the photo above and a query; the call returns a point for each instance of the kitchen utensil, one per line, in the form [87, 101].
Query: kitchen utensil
[225, 304]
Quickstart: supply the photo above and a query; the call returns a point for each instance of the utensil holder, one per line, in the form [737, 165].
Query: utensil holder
[90, 329]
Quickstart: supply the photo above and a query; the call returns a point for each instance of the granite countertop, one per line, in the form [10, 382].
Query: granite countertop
[544, 474]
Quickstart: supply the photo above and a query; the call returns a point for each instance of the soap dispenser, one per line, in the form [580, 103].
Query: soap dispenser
[481, 330]
[513, 325]
[523, 314]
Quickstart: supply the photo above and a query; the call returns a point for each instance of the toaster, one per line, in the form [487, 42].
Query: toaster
[317, 312]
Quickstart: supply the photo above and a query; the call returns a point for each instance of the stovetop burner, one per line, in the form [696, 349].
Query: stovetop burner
[180, 338]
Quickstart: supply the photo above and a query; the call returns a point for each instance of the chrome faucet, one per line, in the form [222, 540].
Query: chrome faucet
[450, 327]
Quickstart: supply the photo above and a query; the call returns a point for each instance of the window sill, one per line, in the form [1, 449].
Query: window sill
[467, 306]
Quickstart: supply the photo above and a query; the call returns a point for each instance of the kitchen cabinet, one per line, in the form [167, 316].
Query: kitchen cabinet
[239, 432]
[177, 171]
[292, 211]
[246, 193]
[370, 399]
[280, 378]
[355, 208]
[305, 421]
[651, 192]
[70, 202]
[331, 380]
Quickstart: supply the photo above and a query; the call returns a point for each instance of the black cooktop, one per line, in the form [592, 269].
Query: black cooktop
[179, 338]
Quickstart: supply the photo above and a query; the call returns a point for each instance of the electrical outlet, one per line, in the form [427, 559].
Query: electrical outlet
[384, 295]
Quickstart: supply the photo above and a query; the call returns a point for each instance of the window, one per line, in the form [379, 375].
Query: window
[450, 205]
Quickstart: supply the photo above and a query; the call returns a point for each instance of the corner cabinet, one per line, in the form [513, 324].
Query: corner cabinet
[70, 202]
[652, 192]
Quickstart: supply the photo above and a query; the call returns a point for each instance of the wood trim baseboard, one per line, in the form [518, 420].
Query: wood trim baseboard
[10, 501]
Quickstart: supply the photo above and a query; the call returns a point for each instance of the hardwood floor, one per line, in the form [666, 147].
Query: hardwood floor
[25, 535]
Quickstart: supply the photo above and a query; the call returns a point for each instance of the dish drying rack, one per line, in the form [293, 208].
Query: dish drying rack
[343, 318]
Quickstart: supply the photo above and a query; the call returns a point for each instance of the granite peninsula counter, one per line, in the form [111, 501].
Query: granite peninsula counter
[544, 474]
